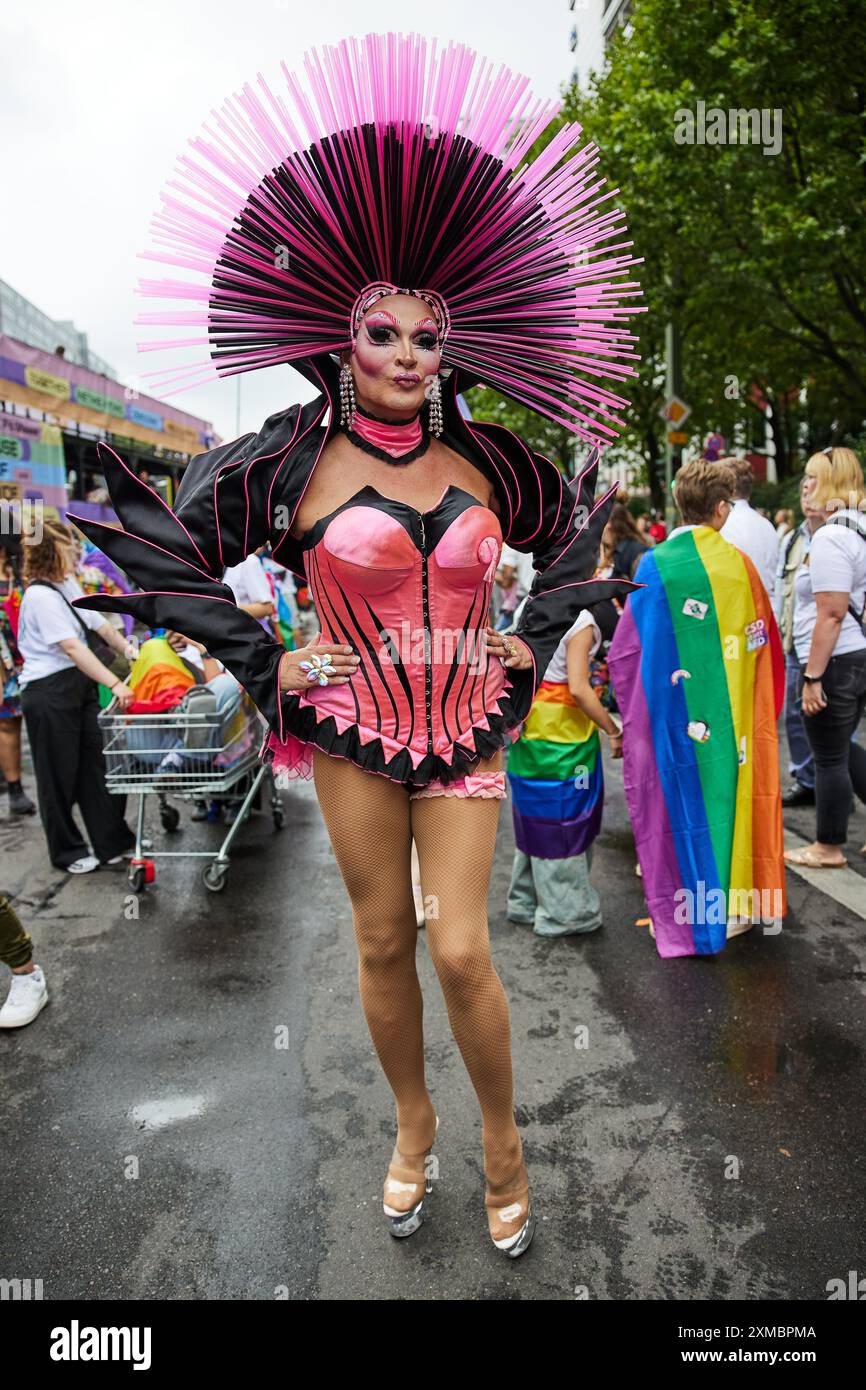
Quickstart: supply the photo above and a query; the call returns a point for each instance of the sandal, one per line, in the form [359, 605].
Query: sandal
[409, 1181]
[508, 1206]
[808, 859]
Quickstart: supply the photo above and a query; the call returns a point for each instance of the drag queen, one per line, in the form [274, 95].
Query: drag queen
[388, 238]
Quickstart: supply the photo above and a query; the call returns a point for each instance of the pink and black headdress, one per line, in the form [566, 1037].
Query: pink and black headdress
[402, 165]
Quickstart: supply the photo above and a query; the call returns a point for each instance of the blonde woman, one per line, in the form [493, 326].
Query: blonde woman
[60, 706]
[829, 600]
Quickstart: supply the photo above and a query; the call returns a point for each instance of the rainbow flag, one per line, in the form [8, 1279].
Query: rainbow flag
[159, 678]
[555, 776]
[697, 668]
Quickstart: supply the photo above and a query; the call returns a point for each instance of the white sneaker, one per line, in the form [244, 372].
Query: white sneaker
[83, 866]
[26, 997]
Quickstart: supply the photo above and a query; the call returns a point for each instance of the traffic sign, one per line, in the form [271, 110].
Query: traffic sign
[675, 411]
[678, 437]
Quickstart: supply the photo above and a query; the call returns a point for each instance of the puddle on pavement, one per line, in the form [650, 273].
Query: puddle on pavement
[156, 1114]
[763, 1055]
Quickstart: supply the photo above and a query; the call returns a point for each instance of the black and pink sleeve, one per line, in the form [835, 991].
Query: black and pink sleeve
[225, 510]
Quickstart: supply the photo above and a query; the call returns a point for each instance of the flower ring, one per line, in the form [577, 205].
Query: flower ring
[319, 668]
[508, 646]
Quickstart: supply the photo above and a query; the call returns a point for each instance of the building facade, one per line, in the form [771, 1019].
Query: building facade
[594, 25]
[21, 319]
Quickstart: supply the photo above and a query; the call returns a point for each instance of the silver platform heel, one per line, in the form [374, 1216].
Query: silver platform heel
[516, 1244]
[405, 1223]
[520, 1240]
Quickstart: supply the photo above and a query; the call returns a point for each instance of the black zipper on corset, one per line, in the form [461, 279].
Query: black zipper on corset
[428, 656]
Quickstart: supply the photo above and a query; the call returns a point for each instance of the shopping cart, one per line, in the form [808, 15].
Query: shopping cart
[212, 755]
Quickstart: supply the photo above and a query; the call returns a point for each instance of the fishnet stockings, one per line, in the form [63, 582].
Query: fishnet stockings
[371, 823]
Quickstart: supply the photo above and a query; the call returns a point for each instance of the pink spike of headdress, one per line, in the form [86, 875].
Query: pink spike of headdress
[401, 164]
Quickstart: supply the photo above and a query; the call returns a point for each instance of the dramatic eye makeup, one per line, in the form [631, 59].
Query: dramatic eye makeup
[380, 326]
[379, 320]
[426, 333]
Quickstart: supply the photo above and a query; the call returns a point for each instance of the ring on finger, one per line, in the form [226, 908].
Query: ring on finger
[318, 669]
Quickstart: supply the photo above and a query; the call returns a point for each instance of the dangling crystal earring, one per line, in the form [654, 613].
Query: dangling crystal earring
[347, 397]
[434, 399]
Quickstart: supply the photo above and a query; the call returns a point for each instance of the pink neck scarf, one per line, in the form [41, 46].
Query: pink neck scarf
[396, 439]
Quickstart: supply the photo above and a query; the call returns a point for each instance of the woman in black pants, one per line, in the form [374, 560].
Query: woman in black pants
[60, 705]
[829, 599]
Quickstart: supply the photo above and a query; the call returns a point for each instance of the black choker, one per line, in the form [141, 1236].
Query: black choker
[380, 419]
[361, 443]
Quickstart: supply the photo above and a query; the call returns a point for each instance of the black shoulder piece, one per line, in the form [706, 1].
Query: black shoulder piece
[232, 499]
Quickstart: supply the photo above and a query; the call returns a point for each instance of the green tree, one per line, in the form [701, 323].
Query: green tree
[767, 251]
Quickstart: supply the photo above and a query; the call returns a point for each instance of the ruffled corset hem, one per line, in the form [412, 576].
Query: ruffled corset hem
[292, 756]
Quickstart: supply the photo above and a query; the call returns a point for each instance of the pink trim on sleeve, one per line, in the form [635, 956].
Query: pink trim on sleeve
[101, 443]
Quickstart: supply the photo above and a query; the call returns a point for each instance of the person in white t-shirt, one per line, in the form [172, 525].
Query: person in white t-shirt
[252, 589]
[557, 786]
[792, 552]
[829, 601]
[60, 705]
[747, 529]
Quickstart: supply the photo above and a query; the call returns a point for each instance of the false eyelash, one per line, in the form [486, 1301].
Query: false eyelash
[429, 345]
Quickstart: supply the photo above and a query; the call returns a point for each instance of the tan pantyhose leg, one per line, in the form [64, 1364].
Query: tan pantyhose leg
[367, 817]
[371, 822]
[456, 838]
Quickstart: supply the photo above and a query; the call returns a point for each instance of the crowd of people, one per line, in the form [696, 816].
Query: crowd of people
[703, 823]
[652, 675]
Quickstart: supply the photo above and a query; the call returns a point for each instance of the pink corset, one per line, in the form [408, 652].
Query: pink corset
[410, 592]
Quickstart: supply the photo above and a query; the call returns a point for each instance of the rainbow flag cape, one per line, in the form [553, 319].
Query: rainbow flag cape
[555, 776]
[697, 668]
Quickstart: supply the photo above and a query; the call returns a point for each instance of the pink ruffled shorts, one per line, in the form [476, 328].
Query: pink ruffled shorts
[473, 784]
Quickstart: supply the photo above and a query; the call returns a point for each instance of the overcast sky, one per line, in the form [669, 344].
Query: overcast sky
[98, 98]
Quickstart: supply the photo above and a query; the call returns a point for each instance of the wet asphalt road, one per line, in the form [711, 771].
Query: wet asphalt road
[199, 1112]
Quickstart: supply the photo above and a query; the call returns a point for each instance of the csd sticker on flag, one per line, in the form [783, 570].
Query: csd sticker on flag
[756, 634]
[693, 608]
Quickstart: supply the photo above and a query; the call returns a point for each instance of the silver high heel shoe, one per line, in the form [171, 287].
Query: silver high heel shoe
[400, 1177]
[508, 1207]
